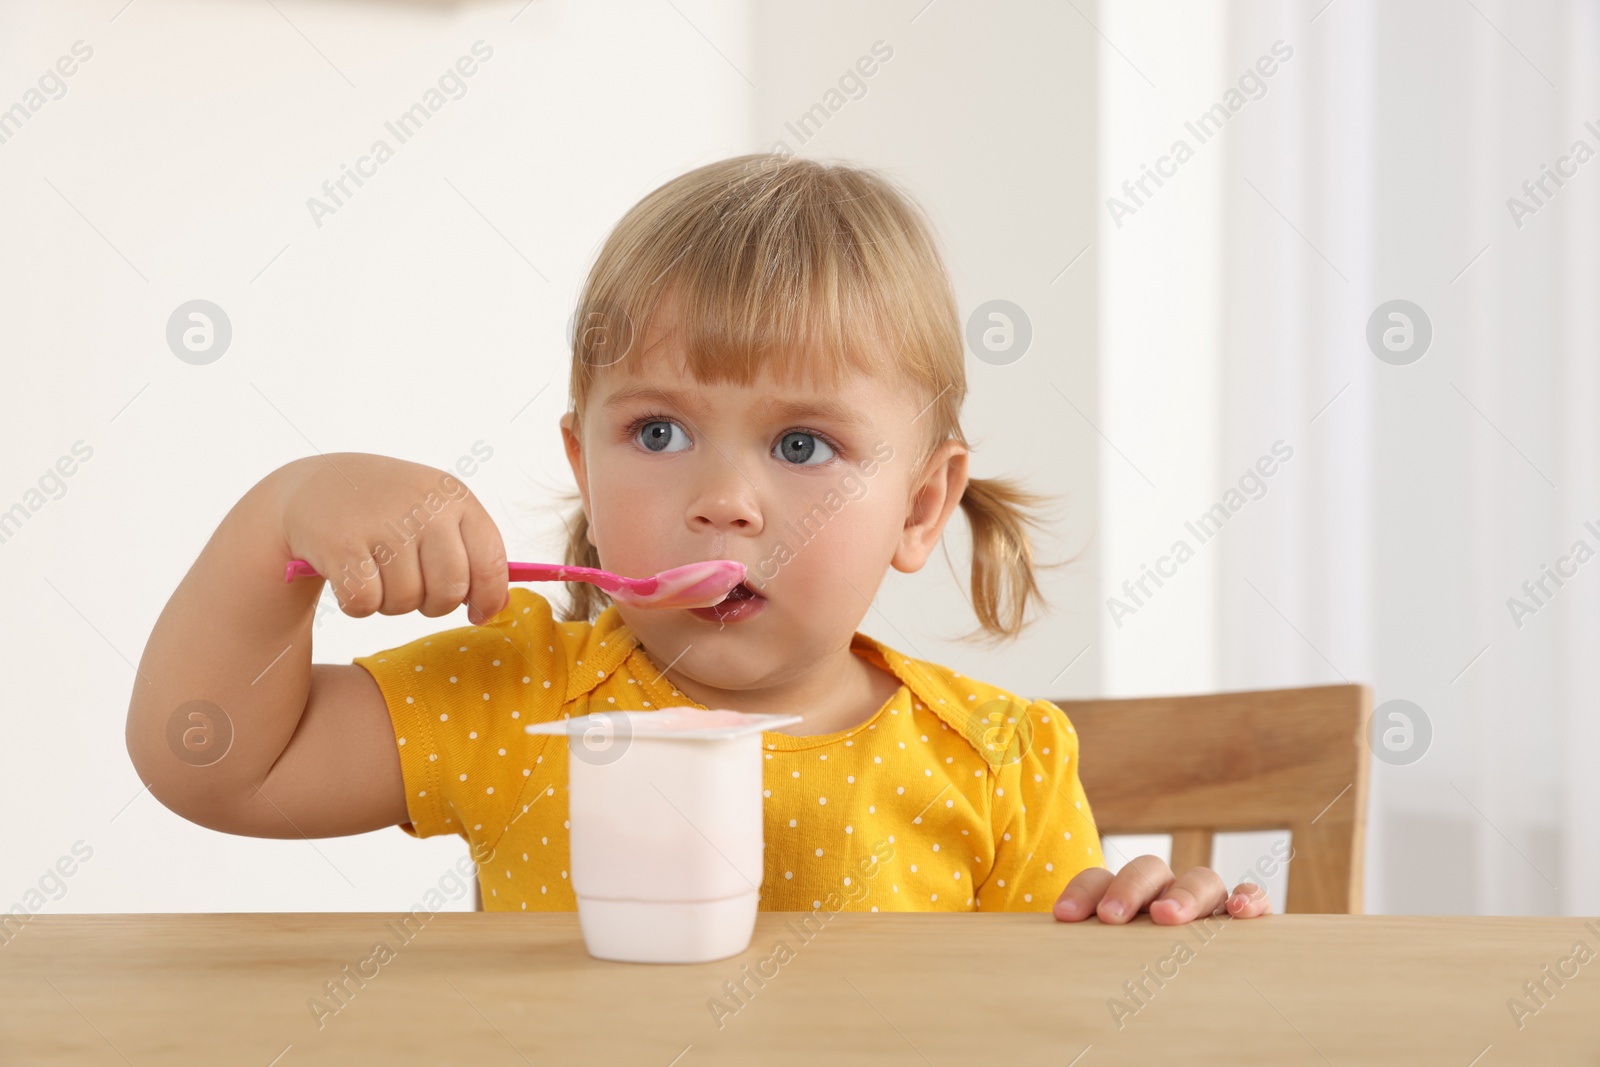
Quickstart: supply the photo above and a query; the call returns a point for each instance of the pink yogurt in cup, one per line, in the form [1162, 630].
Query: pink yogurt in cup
[666, 831]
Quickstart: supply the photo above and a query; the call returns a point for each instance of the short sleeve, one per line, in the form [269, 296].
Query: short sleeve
[1044, 832]
[459, 700]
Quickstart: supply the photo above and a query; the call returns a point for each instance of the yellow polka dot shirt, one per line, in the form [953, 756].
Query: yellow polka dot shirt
[953, 796]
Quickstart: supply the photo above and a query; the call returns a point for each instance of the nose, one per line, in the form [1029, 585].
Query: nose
[725, 502]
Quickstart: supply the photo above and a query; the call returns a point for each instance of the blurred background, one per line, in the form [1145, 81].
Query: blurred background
[1348, 241]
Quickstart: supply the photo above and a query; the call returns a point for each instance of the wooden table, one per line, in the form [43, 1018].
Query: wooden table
[492, 989]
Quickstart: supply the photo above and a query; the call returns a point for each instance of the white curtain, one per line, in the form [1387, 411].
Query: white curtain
[1375, 165]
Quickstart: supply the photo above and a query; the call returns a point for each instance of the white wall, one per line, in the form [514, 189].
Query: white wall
[1160, 378]
[429, 313]
[407, 324]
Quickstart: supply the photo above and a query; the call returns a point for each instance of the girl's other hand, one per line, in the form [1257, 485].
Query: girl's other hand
[392, 536]
[1147, 883]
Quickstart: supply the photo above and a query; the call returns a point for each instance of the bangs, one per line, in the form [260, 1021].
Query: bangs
[760, 265]
[723, 330]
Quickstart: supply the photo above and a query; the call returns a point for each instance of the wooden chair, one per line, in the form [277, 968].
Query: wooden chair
[1193, 766]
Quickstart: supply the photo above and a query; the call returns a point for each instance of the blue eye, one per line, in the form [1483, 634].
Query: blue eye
[662, 435]
[798, 447]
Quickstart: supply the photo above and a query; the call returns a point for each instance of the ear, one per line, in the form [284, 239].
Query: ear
[933, 500]
[571, 438]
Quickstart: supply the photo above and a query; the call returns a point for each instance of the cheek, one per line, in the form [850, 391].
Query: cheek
[628, 509]
[855, 541]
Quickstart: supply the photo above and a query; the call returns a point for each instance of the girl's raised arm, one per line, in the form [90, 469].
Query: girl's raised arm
[230, 723]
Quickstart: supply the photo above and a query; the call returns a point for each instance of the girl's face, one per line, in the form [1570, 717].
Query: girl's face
[812, 491]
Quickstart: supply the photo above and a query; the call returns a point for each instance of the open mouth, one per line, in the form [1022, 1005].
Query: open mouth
[740, 592]
[741, 603]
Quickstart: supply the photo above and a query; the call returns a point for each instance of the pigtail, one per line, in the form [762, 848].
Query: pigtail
[584, 600]
[1004, 575]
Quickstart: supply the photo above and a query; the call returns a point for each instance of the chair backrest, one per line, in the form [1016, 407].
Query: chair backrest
[1193, 766]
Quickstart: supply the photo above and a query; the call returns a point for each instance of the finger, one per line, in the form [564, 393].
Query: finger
[1248, 901]
[402, 583]
[486, 552]
[1196, 892]
[1141, 880]
[444, 571]
[1077, 901]
[357, 584]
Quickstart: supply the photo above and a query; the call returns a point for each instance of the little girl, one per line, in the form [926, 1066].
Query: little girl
[768, 369]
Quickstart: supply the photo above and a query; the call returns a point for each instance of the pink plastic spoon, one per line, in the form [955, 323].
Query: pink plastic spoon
[694, 585]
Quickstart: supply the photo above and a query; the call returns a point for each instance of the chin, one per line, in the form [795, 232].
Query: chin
[725, 669]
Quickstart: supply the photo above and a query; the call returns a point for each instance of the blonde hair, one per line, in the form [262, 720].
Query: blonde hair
[809, 270]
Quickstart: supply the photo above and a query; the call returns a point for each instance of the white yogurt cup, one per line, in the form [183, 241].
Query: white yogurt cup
[666, 831]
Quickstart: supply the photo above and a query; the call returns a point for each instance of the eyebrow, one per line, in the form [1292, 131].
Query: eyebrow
[780, 408]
